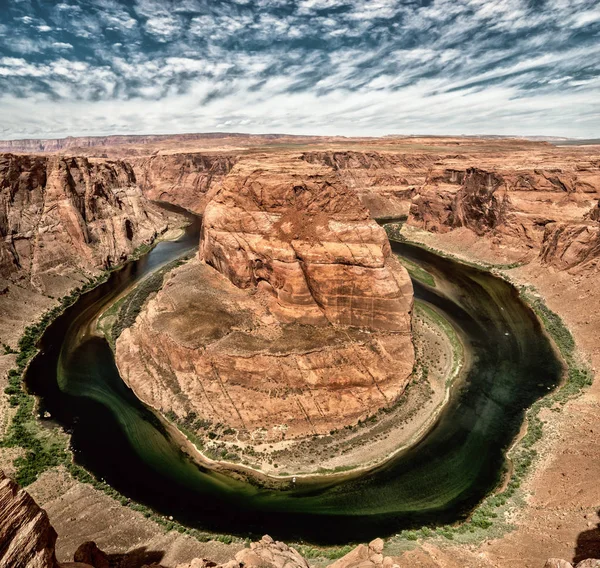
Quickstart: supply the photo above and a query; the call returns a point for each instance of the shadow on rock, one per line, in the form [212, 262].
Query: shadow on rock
[136, 558]
[588, 544]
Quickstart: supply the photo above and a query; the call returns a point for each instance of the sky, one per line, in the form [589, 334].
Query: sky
[323, 67]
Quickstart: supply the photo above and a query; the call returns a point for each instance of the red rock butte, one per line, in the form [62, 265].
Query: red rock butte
[294, 320]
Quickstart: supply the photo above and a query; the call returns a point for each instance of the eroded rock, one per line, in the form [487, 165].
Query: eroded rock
[26, 537]
[301, 327]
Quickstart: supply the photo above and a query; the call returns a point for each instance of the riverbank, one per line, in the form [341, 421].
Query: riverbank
[552, 496]
[441, 360]
[36, 452]
[409, 539]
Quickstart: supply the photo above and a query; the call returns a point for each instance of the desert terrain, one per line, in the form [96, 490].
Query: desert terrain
[288, 221]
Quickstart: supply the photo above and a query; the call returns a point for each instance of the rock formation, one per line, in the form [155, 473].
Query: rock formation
[559, 563]
[569, 245]
[26, 537]
[187, 180]
[384, 182]
[540, 210]
[303, 327]
[295, 231]
[65, 217]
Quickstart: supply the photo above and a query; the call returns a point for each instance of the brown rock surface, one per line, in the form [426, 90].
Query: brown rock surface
[549, 210]
[204, 346]
[61, 217]
[299, 245]
[89, 553]
[26, 537]
[187, 180]
[384, 182]
[293, 230]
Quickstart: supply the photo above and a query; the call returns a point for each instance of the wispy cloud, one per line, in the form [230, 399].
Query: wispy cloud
[320, 66]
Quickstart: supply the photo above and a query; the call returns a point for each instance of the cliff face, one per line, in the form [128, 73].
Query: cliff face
[187, 180]
[481, 204]
[26, 537]
[384, 182]
[64, 217]
[303, 327]
[550, 212]
[294, 231]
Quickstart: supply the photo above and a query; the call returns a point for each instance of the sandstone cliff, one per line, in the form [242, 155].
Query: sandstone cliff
[62, 218]
[295, 231]
[303, 327]
[26, 537]
[384, 182]
[548, 212]
[187, 180]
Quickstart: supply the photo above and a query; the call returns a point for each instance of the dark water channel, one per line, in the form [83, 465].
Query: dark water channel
[438, 480]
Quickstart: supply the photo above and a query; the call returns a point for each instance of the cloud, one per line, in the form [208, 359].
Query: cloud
[321, 66]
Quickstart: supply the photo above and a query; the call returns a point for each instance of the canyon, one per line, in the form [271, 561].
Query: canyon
[264, 298]
[63, 220]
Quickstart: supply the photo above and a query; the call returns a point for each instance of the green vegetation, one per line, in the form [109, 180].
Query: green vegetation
[8, 350]
[325, 552]
[423, 309]
[417, 272]
[43, 449]
[123, 313]
[488, 519]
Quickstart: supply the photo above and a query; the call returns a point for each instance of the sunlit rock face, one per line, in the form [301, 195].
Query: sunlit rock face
[294, 230]
[293, 320]
[62, 217]
[26, 536]
[185, 179]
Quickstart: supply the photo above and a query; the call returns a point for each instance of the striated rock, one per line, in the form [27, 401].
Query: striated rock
[566, 246]
[557, 563]
[303, 327]
[204, 348]
[60, 217]
[295, 231]
[589, 563]
[187, 180]
[89, 553]
[26, 537]
[384, 182]
[477, 205]
[514, 208]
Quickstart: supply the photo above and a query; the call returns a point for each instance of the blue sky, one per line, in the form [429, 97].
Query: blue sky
[360, 67]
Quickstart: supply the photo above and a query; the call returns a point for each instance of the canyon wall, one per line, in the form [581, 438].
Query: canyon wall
[63, 218]
[294, 320]
[187, 179]
[383, 181]
[552, 214]
[26, 537]
[293, 230]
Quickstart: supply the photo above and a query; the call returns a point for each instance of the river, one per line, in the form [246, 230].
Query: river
[438, 480]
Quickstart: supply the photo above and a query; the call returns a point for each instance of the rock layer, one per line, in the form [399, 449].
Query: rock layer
[26, 537]
[294, 230]
[551, 213]
[187, 180]
[65, 217]
[303, 327]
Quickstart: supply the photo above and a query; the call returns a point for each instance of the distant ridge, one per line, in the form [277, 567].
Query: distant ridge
[37, 145]
[57, 144]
